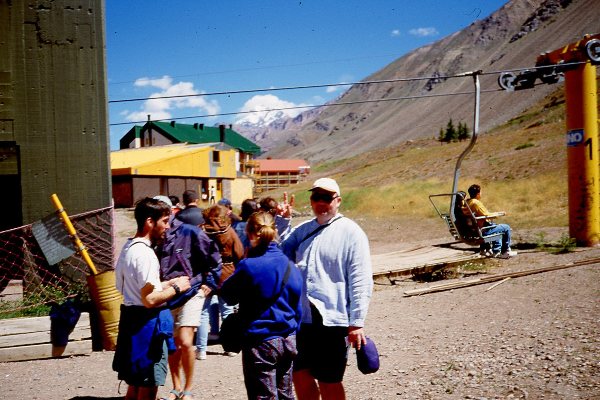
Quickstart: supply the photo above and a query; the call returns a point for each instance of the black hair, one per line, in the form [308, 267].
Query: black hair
[269, 204]
[249, 207]
[474, 190]
[149, 208]
[189, 196]
[174, 200]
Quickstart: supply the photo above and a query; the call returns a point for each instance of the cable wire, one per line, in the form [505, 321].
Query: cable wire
[312, 106]
[299, 87]
[344, 103]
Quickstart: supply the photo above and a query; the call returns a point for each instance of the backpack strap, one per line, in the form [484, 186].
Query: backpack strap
[318, 229]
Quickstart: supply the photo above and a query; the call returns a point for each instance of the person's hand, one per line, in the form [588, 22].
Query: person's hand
[206, 290]
[183, 282]
[285, 208]
[357, 337]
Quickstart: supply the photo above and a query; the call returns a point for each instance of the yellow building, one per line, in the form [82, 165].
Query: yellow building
[172, 169]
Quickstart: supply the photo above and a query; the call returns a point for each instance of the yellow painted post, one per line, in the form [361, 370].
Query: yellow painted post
[79, 247]
[582, 154]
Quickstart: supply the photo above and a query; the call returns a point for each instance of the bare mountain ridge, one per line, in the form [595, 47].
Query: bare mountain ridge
[510, 38]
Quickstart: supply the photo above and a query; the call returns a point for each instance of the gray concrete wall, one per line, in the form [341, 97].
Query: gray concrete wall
[53, 102]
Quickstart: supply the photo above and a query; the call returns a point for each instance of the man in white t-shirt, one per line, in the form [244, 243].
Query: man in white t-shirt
[144, 327]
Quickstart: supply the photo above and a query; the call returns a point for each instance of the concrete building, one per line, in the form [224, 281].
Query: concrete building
[53, 108]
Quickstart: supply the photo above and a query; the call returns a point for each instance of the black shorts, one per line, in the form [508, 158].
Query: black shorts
[323, 350]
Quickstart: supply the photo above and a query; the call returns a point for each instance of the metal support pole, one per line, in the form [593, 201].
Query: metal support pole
[466, 151]
[582, 154]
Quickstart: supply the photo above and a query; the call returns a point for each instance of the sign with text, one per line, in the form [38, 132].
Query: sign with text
[574, 137]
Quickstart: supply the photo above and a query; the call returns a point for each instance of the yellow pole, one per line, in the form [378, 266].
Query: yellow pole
[582, 154]
[71, 230]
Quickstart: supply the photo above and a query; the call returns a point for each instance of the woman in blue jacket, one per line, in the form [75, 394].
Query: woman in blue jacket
[267, 287]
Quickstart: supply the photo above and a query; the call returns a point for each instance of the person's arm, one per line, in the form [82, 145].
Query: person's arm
[360, 286]
[478, 208]
[153, 298]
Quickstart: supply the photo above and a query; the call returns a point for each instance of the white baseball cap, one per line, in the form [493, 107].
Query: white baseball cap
[164, 199]
[327, 184]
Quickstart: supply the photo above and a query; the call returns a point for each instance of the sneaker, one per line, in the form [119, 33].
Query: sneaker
[511, 252]
[504, 255]
[230, 353]
[200, 355]
[486, 253]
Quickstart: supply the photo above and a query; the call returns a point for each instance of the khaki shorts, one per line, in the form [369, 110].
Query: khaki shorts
[189, 313]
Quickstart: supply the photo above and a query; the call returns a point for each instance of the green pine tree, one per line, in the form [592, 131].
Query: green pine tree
[451, 133]
[463, 131]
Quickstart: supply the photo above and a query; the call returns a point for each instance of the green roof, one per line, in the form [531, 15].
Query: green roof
[195, 134]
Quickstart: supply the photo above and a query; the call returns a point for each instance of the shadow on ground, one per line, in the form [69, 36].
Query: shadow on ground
[95, 398]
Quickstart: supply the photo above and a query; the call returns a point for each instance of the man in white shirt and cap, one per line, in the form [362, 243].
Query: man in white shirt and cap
[332, 252]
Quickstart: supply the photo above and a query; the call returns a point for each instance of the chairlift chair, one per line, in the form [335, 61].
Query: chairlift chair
[459, 218]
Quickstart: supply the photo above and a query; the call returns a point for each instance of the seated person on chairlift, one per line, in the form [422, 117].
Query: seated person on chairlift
[500, 248]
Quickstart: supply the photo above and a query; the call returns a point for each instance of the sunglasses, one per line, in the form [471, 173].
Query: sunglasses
[326, 197]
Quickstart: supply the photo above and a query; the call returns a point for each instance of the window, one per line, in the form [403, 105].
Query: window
[216, 156]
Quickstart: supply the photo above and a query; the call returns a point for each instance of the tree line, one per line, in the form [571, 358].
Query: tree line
[454, 134]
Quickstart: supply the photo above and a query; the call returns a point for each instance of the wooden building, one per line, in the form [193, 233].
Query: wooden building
[274, 173]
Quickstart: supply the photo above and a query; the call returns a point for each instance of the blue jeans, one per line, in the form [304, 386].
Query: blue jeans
[503, 245]
[209, 319]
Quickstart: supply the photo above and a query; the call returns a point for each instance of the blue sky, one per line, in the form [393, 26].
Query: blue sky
[157, 48]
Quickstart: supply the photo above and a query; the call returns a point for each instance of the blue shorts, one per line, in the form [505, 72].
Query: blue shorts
[323, 350]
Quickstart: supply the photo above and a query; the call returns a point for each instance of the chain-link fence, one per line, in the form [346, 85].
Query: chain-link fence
[22, 263]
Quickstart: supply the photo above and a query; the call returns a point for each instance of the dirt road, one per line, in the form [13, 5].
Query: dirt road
[534, 337]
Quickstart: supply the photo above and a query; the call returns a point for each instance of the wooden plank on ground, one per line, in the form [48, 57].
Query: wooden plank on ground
[18, 326]
[79, 332]
[13, 291]
[494, 278]
[418, 259]
[29, 338]
[40, 351]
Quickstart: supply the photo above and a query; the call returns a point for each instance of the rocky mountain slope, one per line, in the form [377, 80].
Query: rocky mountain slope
[511, 38]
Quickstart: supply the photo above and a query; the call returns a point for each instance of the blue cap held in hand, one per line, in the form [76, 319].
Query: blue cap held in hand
[367, 358]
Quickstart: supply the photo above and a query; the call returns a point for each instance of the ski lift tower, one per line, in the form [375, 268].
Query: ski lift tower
[576, 64]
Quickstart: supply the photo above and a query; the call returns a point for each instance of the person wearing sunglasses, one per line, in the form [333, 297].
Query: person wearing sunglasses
[332, 252]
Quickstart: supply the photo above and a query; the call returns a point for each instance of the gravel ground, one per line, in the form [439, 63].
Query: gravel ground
[534, 337]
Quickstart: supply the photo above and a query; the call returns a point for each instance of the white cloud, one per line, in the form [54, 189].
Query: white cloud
[430, 31]
[267, 102]
[159, 108]
[161, 83]
[395, 32]
[341, 84]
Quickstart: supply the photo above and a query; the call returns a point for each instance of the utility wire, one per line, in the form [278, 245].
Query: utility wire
[344, 103]
[312, 106]
[275, 89]
[229, 71]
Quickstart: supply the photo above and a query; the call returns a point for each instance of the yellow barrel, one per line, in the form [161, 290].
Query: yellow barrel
[107, 300]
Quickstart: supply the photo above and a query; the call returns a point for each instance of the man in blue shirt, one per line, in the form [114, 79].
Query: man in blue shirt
[333, 254]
